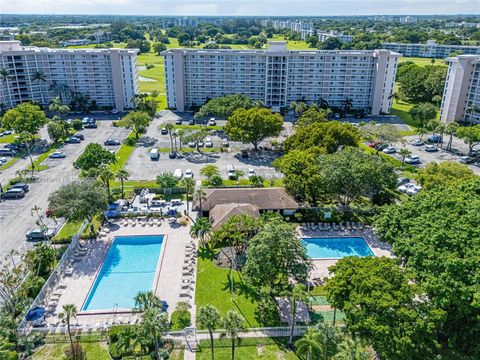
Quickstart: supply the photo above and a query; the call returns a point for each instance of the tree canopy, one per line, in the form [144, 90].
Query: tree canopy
[470, 135]
[135, 120]
[310, 116]
[423, 113]
[93, 156]
[253, 125]
[224, 106]
[25, 118]
[421, 83]
[327, 136]
[448, 172]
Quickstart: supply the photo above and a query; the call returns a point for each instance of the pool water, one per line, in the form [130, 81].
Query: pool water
[129, 266]
[336, 248]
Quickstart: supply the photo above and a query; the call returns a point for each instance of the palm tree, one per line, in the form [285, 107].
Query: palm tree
[323, 104]
[233, 324]
[155, 322]
[209, 317]
[329, 339]
[146, 300]
[122, 175]
[298, 294]
[309, 346]
[450, 130]
[175, 136]
[169, 128]
[404, 152]
[200, 195]
[188, 184]
[347, 105]
[59, 89]
[106, 175]
[5, 75]
[38, 76]
[69, 312]
[200, 229]
[141, 339]
[352, 350]
[473, 109]
[125, 342]
[422, 130]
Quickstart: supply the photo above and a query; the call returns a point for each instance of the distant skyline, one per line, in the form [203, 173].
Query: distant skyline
[242, 7]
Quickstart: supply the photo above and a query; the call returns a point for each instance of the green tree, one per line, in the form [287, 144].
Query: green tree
[332, 43]
[146, 300]
[470, 136]
[208, 317]
[444, 173]
[200, 196]
[167, 180]
[233, 324]
[55, 131]
[94, 156]
[309, 346]
[125, 342]
[79, 200]
[253, 125]
[56, 106]
[450, 130]
[298, 294]
[423, 113]
[122, 175]
[224, 106]
[189, 185]
[155, 322]
[200, 229]
[159, 47]
[170, 128]
[77, 124]
[328, 137]
[352, 349]
[310, 117]
[379, 306]
[135, 120]
[106, 175]
[404, 152]
[256, 181]
[384, 133]
[209, 170]
[274, 256]
[69, 312]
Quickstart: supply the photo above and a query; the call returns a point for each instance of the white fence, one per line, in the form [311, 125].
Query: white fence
[54, 276]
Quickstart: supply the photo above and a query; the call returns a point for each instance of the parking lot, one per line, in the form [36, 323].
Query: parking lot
[141, 167]
[15, 215]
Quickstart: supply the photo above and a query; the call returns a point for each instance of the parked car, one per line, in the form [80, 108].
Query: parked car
[22, 186]
[111, 142]
[435, 139]
[200, 144]
[114, 112]
[188, 173]
[57, 155]
[225, 143]
[402, 181]
[373, 144]
[178, 173]
[251, 172]
[7, 152]
[85, 120]
[465, 160]
[381, 147]
[191, 122]
[192, 144]
[38, 234]
[412, 159]
[409, 188]
[232, 174]
[7, 132]
[154, 154]
[80, 136]
[431, 148]
[90, 126]
[390, 150]
[164, 131]
[212, 122]
[13, 194]
[3, 160]
[417, 142]
[172, 155]
[178, 121]
[208, 142]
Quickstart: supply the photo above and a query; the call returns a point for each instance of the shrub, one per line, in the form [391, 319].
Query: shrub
[32, 286]
[114, 331]
[181, 317]
[77, 124]
[8, 355]
[75, 352]
[130, 141]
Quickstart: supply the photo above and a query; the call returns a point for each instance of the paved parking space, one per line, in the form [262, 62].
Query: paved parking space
[15, 215]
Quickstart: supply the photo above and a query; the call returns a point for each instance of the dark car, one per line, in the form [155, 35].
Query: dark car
[435, 139]
[37, 234]
[22, 186]
[90, 126]
[172, 155]
[402, 181]
[73, 140]
[191, 122]
[7, 152]
[13, 194]
[80, 136]
[164, 131]
[111, 142]
[178, 121]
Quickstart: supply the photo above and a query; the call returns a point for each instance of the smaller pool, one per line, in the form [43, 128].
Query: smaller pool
[336, 247]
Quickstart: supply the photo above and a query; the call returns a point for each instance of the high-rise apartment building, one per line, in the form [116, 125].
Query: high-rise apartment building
[278, 76]
[430, 50]
[461, 97]
[108, 76]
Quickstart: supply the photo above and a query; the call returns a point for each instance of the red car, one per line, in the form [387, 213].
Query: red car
[373, 144]
[48, 213]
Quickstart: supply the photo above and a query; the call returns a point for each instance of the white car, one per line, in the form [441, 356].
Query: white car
[390, 150]
[417, 142]
[412, 159]
[192, 144]
[178, 173]
[188, 173]
[409, 188]
[431, 148]
[57, 155]
[208, 142]
[251, 172]
[225, 143]
[3, 160]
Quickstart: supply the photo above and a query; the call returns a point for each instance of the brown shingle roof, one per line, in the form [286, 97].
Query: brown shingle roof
[263, 198]
[220, 213]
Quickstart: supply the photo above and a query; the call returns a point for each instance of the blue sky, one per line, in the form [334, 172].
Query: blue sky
[243, 7]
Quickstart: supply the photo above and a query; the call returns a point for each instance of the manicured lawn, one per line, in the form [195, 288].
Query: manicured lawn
[9, 163]
[422, 61]
[249, 348]
[94, 350]
[68, 230]
[37, 162]
[123, 154]
[213, 288]
[7, 138]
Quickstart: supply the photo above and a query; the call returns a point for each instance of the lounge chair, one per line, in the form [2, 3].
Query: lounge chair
[361, 226]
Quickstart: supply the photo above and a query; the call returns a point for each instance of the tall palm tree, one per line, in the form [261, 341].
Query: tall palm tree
[106, 175]
[309, 346]
[125, 343]
[450, 130]
[473, 109]
[404, 152]
[141, 340]
[155, 322]
[347, 105]
[59, 89]
[200, 195]
[122, 175]
[146, 300]
[5, 75]
[200, 229]
[169, 128]
[69, 312]
[298, 294]
[209, 317]
[350, 349]
[189, 185]
[38, 76]
[233, 324]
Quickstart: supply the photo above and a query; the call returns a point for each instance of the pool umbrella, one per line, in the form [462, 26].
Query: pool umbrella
[111, 213]
[112, 206]
[35, 314]
[171, 212]
[164, 304]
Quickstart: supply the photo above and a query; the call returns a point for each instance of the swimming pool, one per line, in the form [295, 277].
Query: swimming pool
[129, 266]
[336, 247]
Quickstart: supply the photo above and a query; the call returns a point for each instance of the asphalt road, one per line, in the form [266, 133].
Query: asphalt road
[15, 215]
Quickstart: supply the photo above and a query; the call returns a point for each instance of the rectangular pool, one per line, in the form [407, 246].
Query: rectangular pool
[336, 247]
[130, 266]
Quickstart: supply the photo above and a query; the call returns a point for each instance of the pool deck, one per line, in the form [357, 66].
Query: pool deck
[320, 267]
[73, 286]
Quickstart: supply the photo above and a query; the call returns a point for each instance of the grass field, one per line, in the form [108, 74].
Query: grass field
[247, 349]
[123, 154]
[422, 61]
[213, 288]
[292, 45]
[7, 139]
[94, 350]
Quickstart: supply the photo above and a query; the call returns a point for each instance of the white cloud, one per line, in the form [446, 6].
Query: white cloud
[242, 7]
